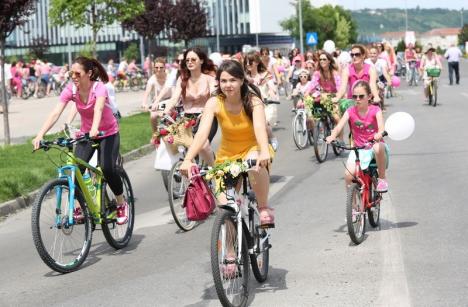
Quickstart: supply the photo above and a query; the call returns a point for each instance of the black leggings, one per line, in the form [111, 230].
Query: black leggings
[107, 156]
[213, 130]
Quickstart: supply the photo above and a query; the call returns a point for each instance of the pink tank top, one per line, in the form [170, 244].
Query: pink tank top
[354, 77]
[363, 128]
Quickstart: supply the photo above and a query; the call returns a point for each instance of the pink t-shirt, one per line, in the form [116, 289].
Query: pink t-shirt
[45, 69]
[354, 76]
[327, 86]
[363, 128]
[108, 123]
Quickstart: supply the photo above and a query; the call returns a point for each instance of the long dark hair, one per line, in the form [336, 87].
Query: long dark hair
[206, 67]
[331, 67]
[248, 91]
[254, 56]
[98, 72]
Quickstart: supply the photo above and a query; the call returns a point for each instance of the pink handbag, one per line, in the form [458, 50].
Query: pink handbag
[199, 202]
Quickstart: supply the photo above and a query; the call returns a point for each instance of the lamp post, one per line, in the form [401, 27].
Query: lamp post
[217, 26]
[301, 35]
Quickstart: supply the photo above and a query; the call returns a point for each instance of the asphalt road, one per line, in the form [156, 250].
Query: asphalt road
[416, 258]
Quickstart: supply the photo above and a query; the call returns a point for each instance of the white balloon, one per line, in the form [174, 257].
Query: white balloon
[329, 46]
[217, 58]
[400, 126]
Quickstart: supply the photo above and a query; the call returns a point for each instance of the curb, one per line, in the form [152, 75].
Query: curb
[12, 206]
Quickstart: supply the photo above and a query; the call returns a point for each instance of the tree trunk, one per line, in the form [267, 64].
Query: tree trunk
[95, 30]
[6, 123]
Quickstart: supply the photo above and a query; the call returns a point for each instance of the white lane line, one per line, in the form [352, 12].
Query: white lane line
[464, 94]
[163, 216]
[394, 289]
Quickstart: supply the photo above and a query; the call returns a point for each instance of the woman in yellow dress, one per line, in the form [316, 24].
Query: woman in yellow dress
[240, 112]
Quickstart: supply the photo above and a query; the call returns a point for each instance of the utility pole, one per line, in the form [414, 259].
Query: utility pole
[461, 18]
[406, 16]
[301, 35]
[217, 26]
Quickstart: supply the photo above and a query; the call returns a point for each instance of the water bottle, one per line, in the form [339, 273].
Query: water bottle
[89, 184]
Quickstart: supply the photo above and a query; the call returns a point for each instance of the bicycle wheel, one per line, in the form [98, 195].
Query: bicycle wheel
[260, 258]
[118, 236]
[177, 186]
[165, 178]
[63, 247]
[320, 146]
[300, 131]
[336, 150]
[355, 214]
[230, 273]
[373, 213]
[434, 93]
[134, 84]
[430, 91]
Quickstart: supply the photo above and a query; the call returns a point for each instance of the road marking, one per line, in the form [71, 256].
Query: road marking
[464, 94]
[394, 289]
[163, 216]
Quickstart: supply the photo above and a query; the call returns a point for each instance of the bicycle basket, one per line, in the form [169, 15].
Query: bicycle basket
[183, 136]
[433, 72]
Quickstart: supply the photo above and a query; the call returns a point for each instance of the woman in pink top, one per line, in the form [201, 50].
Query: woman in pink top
[194, 88]
[366, 123]
[357, 70]
[91, 100]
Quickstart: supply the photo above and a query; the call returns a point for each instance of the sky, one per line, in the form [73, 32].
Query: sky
[374, 4]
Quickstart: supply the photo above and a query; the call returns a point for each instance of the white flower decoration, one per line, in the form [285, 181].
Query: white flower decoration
[235, 170]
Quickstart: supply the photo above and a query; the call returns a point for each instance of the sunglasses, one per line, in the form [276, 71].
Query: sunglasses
[158, 67]
[357, 54]
[355, 97]
[189, 60]
[72, 74]
[323, 59]
[303, 76]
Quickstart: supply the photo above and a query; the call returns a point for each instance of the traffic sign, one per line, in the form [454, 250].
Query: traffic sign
[311, 38]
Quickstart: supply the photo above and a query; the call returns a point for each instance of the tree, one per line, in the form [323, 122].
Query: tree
[330, 22]
[463, 36]
[13, 13]
[39, 47]
[95, 13]
[188, 21]
[152, 21]
[131, 53]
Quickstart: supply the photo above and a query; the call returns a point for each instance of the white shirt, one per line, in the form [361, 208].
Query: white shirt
[453, 54]
[171, 79]
[380, 65]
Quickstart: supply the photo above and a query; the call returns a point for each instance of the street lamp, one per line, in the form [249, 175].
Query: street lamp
[301, 34]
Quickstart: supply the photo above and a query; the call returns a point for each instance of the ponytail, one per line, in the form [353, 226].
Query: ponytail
[98, 72]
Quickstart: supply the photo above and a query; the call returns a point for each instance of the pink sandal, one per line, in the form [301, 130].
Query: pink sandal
[267, 219]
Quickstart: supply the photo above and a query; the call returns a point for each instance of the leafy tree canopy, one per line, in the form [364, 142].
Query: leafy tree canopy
[330, 22]
[188, 21]
[463, 36]
[153, 20]
[132, 52]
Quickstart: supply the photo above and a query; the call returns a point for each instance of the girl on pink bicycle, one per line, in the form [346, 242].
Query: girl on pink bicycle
[366, 123]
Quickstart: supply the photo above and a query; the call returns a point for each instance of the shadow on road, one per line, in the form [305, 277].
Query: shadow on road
[384, 225]
[104, 249]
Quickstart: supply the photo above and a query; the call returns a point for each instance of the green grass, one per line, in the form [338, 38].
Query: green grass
[21, 171]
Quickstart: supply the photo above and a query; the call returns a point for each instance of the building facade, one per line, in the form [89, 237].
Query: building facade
[231, 24]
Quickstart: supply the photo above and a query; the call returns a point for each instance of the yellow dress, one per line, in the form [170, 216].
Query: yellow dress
[238, 136]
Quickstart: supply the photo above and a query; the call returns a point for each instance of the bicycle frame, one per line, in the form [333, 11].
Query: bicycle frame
[240, 203]
[364, 180]
[71, 171]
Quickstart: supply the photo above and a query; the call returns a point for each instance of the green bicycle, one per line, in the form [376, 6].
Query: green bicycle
[433, 75]
[66, 211]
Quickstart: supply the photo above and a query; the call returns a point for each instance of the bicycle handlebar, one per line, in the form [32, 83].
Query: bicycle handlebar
[67, 142]
[370, 142]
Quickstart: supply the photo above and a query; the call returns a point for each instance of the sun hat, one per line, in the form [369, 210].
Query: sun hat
[428, 48]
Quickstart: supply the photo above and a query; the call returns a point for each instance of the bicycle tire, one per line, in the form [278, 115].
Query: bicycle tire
[39, 209]
[176, 193]
[300, 131]
[223, 218]
[165, 178]
[259, 266]
[320, 146]
[134, 84]
[430, 93]
[109, 226]
[336, 150]
[373, 214]
[357, 226]
[434, 93]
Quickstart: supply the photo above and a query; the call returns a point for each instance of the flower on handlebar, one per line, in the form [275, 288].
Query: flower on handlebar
[226, 172]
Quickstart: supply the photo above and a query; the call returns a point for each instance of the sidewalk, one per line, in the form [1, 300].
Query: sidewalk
[27, 116]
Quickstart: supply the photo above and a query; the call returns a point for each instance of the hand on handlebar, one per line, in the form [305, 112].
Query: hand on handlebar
[330, 139]
[36, 142]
